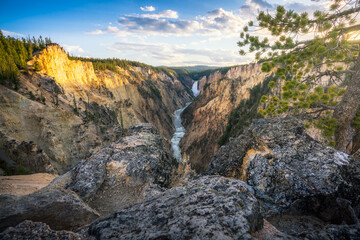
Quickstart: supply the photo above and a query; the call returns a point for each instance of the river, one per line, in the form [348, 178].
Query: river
[180, 130]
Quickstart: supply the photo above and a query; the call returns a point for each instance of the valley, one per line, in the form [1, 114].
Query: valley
[84, 110]
[220, 127]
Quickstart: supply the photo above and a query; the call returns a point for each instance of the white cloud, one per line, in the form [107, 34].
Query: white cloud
[12, 34]
[165, 14]
[216, 22]
[109, 29]
[167, 54]
[207, 35]
[75, 50]
[148, 9]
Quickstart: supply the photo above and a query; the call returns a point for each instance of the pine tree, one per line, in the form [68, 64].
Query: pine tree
[14, 54]
[302, 65]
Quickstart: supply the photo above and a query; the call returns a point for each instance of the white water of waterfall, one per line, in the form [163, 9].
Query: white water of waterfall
[180, 130]
[179, 133]
[195, 88]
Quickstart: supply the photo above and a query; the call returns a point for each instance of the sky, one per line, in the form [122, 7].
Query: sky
[157, 32]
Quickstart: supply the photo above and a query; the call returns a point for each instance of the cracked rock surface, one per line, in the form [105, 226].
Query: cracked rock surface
[36, 230]
[59, 208]
[127, 171]
[287, 168]
[209, 207]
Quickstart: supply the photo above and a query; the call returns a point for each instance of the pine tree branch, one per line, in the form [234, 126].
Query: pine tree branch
[325, 106]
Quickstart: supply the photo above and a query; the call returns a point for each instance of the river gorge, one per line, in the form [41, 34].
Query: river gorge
[179, 128]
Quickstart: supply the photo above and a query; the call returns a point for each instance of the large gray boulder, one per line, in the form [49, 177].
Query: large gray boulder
[210, 207]
[59, 208]
[290, 171]
[35, 230]
[127, 171]
[309, 227]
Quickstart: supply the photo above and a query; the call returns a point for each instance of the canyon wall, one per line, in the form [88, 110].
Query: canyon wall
[67, 110]
[206, 118]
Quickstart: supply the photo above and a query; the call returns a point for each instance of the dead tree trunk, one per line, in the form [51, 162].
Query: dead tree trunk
[346, 111]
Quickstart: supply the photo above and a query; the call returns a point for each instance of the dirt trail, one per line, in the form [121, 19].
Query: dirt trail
[20, 185]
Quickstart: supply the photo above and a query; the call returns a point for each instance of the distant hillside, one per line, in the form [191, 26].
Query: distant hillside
[199, 71]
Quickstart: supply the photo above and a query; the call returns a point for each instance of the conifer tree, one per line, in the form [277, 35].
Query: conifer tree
[14, 54]
[304, 62]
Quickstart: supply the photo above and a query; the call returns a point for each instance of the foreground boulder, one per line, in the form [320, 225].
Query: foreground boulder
[36, 230]
[59, 208]
[309, 227]
[127, 171]
[207, 208]
[290, 171]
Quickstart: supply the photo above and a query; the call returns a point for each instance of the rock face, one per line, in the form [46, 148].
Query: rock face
[276, 183]
[206, 208]
[308, 227]
[36, 230]
[126, 171]
[27, 155]
[68, 111]
[289, 171]
[206, 118]
[59, 208]
[137, 92]
[132, 169]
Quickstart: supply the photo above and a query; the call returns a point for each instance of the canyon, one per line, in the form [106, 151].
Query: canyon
[206, 118]
[68, 110]
[140, 152]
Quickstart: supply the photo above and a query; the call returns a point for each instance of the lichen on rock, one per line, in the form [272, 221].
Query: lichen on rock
[206, 208]
[126, 171]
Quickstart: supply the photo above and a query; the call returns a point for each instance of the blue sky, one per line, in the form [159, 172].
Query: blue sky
[171, 33]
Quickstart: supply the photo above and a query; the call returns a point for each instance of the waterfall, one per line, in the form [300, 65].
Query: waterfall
[195, 88]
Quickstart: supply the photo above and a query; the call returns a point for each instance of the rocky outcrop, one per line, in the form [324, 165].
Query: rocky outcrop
[54, 61]
[281, 161]
[57, 207]
[309, 227]
[26, 155]
[36, 230]
[136, 167]
[210, 207]
[206, 118]
[127, 171]
[276, 183]
[292, 173]
[206, 208]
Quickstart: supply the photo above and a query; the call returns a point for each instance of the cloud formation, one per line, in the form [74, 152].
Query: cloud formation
[209, 35]
[167, 54]
[75, 50]
[148, 9]
[11, 34]
[165, 14]
[216, 22]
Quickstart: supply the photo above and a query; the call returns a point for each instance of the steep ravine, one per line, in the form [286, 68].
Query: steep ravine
[179, 128]
[206, 118]
[67, 111]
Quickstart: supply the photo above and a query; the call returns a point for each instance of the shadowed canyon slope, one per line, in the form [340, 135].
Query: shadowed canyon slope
[67, 110]
[206, 118]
